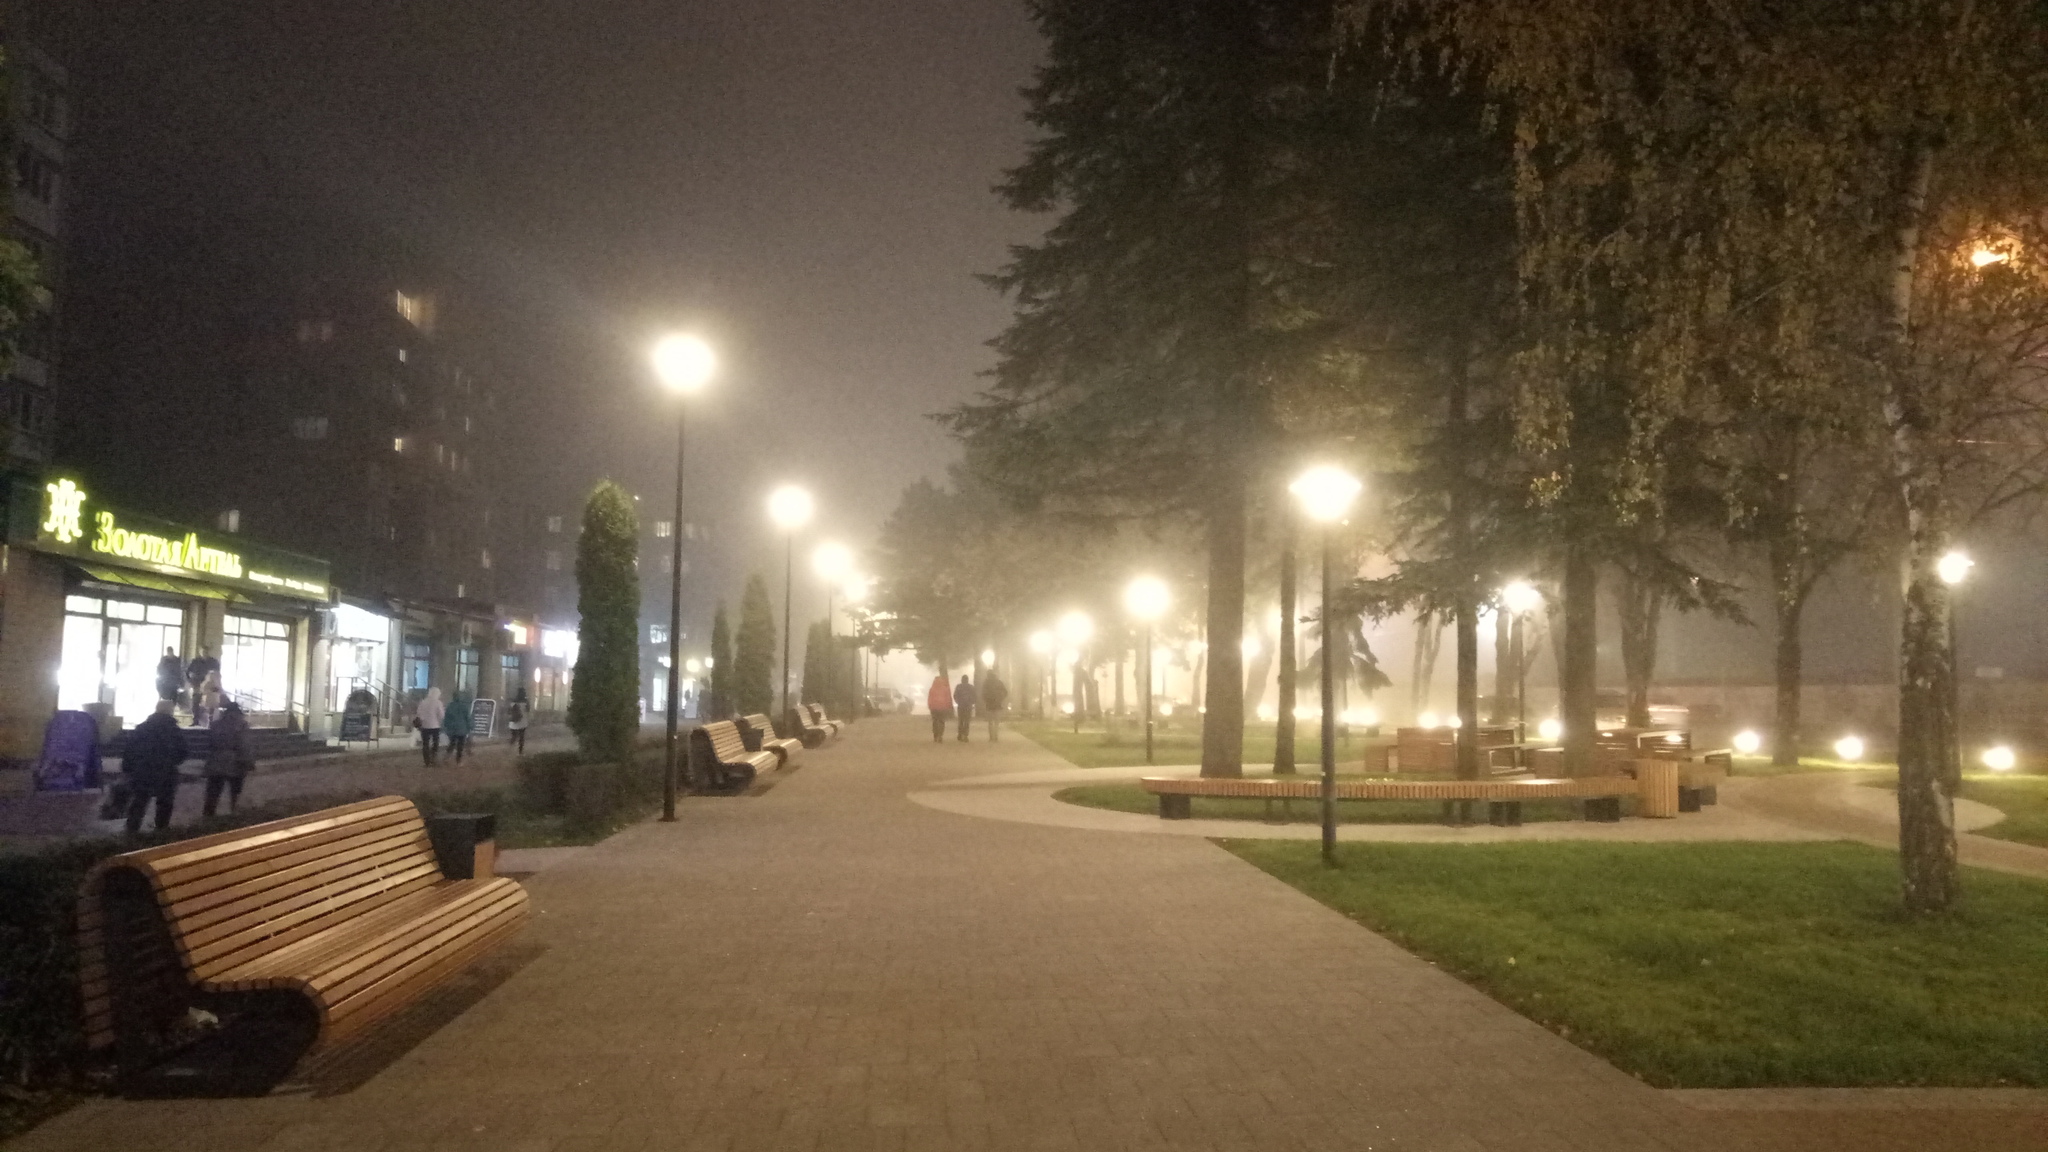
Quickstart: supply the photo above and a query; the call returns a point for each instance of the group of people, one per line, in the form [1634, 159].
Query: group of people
[454, 719]
[157, 748]
[963, 699]
[196, 682]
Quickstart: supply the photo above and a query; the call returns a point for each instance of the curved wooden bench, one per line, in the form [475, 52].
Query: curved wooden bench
[759, 735]
[1504, 798]
[835, 728]
[722, 759]
[346, 907]
[812, 733]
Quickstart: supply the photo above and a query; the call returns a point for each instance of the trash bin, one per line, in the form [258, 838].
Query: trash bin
[466, 843]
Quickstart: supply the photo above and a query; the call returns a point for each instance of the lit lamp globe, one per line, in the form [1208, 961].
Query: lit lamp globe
[1041, 642]
[1146, 598]
[832, 562]
[1521, 597]
[790, 507]
[683, 362]
[1075, 628]
[1954, 567]
[988, 657]
[1325, 492]
[855, 589]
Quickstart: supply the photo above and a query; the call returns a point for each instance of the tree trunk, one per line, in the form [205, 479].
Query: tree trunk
[1223, 723]
[1788, 598]
[1929, 766]
[1578, 674]
[1640, 604]
[1503, 665]
[1468, 688]
[1283, 735]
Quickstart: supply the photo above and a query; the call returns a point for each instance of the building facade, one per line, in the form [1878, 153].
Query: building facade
[39, 104]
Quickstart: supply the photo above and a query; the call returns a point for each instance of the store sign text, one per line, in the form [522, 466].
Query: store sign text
[188, 553]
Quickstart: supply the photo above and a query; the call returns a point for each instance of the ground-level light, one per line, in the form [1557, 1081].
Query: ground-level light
[1427, 721]
[1551, 729]
[988, 657]
[2000, 758]
[1748, 742]
[1849, 748]
[1361, 717]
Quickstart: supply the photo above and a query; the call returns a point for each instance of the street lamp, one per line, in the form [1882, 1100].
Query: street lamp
[684, 364]
[790, 507]
[1146, 598]
[1520, 598]
[1325, 493]
[1075, 628]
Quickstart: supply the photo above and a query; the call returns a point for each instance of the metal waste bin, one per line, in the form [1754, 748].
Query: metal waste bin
[466, 843]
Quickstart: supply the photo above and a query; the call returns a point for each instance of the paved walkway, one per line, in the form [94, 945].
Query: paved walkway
[829, 966]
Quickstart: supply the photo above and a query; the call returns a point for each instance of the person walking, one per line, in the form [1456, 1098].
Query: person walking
[202, 666]
[995, 696]
[229, 759]
[427, 718]
[170, 676]
[940, 702]
[205, 700]
[149, 762]
[456, 722]
[516, 721]
[964, 697]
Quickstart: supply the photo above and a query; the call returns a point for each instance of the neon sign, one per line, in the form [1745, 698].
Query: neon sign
[149, 548]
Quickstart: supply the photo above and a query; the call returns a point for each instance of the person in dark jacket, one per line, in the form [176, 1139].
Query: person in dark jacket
[149, 761]
[228, 758]
[995, 696]
[455, 722]
[964, 697]
[170, 675]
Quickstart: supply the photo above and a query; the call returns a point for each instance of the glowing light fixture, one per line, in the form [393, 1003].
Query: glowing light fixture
[1326, 492]
[2000, 758]
[1849, 748]
[833, 562]
[1147, 597]
[1748, 742]
[1521, 597]
[856, 589]
[1427, 720]
[1985, 257]
[693, 665]
[684, 363]
[790, 507]
[1454, 722]
[988, 657]
[1954, 567]
[1041, 641]
[1551, 729]
[1249, 646]
[1075, 628]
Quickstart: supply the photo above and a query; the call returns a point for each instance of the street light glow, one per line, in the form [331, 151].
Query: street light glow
[1954, 567]
[1550, 730]
[1748, 742]
[790, 507]
[1521, 597]
[1147, 597]
[1426, 721]
[1249, 647]
[1849, 748]
[1985, 257]
[1041, 642]
[1075, 628]
[1326, 492]
[832, 561]
[988, 657]
[2000, 758]
[683, 362]
[855, 589]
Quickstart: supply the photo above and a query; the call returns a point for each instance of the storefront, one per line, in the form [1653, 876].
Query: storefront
[94, 598]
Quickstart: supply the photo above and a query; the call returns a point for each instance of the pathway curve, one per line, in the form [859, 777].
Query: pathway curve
[829, 967]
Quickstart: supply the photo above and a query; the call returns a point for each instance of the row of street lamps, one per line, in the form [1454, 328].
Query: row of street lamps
[684, 364]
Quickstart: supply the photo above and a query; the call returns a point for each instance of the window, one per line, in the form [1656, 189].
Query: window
[398, 443]
[553, 560]
[662, 528]
[418, 667]
[465, 424]
[554, 523]
[316, 331]
[461, 591]
[310, 427]
[256, 663]
[402, 355]
[485, 558]
[440, 456]
[668, 563]
[417, 310]
[230, 520]
[35, 174]
[467, 670]
[657, 633]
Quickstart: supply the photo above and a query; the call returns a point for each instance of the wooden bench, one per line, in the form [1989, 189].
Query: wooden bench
[722, 759]
[1504, 798]
[1425, 750]
[759, 735]
[346, 909]
[818, 717]
[812, 733]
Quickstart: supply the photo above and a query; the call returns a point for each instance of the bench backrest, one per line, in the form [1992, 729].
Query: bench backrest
[232, 896]
[759, 722]
[726, 743]
[817, 714]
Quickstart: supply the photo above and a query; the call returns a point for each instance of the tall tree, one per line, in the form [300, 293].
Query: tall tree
[604, 710]
[753, 658]
[722, 675]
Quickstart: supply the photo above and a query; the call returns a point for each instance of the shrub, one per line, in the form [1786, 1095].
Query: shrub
[604, 708]
[753, 658]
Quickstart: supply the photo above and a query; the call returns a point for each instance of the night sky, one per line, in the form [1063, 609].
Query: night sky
[805, 181]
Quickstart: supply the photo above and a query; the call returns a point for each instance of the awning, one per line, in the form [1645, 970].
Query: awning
[149, 581]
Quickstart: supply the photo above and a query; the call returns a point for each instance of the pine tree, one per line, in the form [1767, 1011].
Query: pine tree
[604, 698]
[722, 676]
[817, 686]
[753, 661]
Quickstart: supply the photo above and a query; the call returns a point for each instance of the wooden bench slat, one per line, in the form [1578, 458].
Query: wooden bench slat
[179, 885]
[201, 911]
[304, 922]
[352, 880]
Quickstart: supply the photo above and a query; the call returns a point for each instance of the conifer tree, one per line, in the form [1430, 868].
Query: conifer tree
[604, 698]
[753, 659]
[722, 676]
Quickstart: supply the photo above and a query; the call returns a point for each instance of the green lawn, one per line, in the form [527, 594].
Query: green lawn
[1762, 766]
[1099, 747]
[1133, 798]
[1716, 965]
[2023, 799]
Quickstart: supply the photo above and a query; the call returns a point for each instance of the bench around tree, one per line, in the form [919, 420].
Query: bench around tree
[722, 759]
[1504, 798]
[758, 733]
[346, 909]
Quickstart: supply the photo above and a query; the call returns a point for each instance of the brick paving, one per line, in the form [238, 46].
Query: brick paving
[829, 966]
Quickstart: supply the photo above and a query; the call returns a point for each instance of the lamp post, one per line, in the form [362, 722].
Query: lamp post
[790, 507]
[1075, 628]
[684, 364]
[1146, 598]
[1519, 598]
[1041, 647]
[1326, 493]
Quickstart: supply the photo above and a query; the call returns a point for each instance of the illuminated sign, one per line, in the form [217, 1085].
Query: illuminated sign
[69, 522]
